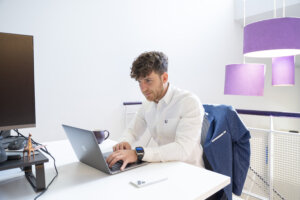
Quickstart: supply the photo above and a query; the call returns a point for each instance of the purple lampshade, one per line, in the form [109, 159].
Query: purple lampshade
[283, 71]
[272, 38]
[245, 79]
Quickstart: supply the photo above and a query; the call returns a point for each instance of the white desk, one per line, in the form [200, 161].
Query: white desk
[79, 181]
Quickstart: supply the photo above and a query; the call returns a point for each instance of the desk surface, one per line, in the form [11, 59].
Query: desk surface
[79, 181]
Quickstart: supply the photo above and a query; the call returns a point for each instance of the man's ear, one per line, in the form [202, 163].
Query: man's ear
[165, 77]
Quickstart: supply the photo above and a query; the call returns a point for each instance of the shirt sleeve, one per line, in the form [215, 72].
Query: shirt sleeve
[187, 136]
[136, 127]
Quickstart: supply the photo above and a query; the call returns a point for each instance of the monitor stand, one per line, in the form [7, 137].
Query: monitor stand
[37, 181]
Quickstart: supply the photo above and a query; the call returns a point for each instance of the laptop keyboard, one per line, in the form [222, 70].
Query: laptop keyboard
[117, 165]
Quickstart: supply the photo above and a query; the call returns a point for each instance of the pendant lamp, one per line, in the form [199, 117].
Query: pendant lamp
[283, 71]
[275, 37]
[244, 79]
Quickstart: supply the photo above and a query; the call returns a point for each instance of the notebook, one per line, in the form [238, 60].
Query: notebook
[87, 150]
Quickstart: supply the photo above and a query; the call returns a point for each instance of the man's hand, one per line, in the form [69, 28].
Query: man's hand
[127, 156]
[122, 146]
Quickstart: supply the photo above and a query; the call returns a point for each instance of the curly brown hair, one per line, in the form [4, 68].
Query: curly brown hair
[148, 62]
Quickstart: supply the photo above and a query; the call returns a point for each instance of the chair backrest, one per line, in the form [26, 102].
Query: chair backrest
[226, 145]
[204, 131]
[205, 127]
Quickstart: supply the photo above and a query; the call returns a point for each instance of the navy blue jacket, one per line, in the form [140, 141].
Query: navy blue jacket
[227, 146]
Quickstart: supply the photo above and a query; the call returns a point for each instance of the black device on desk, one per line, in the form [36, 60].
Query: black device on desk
[14, 157]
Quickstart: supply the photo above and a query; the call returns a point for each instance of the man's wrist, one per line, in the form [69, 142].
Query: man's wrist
[140, 153]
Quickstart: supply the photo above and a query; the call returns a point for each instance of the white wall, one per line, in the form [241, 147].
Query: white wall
[84, 50]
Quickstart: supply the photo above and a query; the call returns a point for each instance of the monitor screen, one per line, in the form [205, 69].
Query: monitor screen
[17, 98]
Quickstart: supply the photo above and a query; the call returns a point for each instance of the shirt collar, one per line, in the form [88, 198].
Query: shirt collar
[169, 94]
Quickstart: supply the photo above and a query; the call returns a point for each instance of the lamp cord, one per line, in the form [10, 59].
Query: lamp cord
[45, 150]
[244, 13]
[274, 12]
[283, 8]
[244, 60]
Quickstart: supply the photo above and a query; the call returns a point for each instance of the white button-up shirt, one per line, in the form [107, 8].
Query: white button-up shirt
[175, 124]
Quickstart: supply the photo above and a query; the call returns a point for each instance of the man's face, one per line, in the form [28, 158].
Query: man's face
[152, 86]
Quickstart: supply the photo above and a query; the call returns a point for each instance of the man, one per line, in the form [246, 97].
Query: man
[172, 116]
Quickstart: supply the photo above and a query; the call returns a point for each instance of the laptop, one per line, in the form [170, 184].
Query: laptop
[87, 150]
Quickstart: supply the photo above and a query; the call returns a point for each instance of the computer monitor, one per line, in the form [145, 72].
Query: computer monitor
[17, 96]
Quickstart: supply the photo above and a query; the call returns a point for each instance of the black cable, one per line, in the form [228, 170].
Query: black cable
[45, 150]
